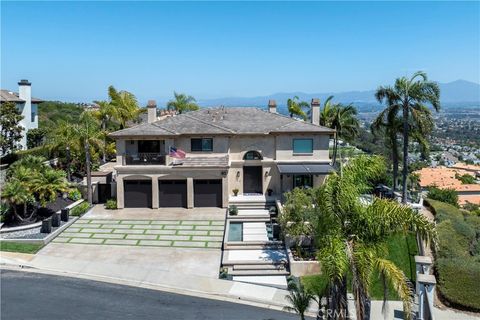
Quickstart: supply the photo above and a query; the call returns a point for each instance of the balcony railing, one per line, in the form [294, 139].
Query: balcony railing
[144, 159]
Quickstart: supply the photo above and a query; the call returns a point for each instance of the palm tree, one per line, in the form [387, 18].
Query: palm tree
[341, 118]
[16, 193]
[124, 106]
[82, 137]
[388, 125]
[410, 96]
[299, 297]
[295, 107]
[104, 114]
[49, 184]
[182, 103]
[352, 236]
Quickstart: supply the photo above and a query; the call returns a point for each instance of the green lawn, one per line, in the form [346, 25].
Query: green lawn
[20, 247]
[402, 250]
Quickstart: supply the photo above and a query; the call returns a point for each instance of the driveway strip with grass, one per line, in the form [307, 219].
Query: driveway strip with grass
[156, 233]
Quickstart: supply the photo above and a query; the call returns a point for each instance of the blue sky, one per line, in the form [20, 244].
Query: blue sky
[73, 51]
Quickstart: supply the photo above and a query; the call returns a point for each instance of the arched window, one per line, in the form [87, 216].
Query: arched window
[252, 155]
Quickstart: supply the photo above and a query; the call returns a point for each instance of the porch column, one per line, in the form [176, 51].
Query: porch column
[190, 193]
[225, 193]
[120, 203]
[155, 192]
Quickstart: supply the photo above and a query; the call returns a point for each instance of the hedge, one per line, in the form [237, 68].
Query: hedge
[457, 262]
[80, 209]
[17, 155]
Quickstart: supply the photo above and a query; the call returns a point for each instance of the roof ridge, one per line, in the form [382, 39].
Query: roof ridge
[292, 120]
[210, 124]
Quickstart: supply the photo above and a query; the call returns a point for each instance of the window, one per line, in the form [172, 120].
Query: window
[33, 117]
[302, 145]
[148, 146]
[202, 144]
[252, 155]
[302, 181]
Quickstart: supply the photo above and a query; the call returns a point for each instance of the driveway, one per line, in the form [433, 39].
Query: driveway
[140, 241]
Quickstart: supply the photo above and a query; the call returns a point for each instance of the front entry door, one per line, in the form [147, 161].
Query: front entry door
[252, 179]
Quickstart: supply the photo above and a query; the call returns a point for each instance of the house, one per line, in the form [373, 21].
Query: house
[255, 151]
[26, 104]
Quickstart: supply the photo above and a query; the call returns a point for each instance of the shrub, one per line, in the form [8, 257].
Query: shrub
[75, 195]
[235, 191]
[80, 209]
[444, 195]
[233, 210]
[111, 204]
[458, 255]
[465, 178]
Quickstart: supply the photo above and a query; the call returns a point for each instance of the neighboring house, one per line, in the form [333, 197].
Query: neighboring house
[445, 178]
[27, 105]
[240, 148]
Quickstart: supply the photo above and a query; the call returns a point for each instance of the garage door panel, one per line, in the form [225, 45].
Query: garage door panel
[207, 193]
[172, 193]
[138, 193]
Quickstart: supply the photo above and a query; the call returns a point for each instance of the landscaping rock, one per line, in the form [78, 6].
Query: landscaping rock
[46, 226]
[65, 214]
[56, 220]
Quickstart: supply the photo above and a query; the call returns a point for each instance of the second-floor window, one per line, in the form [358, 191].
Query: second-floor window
[302, 146]
[202, 144]
[33, 117]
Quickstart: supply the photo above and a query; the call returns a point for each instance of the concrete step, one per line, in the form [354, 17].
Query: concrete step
[259, 267]
[230, 263]
[271, 281]
[258, 272]
[261, 245]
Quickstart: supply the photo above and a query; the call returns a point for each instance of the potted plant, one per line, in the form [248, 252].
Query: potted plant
[235, 192]
[269, 192]
[233, 210]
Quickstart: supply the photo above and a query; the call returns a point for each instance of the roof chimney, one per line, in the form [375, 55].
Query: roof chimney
[315, 104]
[272, 106]
[152, 111]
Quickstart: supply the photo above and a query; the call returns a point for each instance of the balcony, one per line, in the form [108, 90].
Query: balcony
[144, 159]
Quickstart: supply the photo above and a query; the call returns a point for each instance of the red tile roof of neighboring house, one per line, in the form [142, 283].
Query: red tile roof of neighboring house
[444, 177]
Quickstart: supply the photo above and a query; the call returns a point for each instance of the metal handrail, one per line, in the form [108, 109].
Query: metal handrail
[144, 158]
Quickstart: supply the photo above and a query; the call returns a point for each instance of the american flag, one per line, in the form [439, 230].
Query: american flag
[176, 153]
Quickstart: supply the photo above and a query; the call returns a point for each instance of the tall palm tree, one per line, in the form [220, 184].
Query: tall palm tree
[295, 107]
[104, 114]
[124, 106]
[299, 297]
[352, 236]
[342, 118]
[182, 103]
[82, 137]
[389, 125]
[410, 96]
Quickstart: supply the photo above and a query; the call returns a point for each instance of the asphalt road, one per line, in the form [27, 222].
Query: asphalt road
[26, 295]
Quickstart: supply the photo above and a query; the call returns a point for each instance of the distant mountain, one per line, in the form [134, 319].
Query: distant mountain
[459, 91]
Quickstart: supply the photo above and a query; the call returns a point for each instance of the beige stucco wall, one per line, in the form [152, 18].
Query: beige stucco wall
[284, 147]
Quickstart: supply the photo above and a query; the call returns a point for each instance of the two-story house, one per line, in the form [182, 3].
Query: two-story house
[26, 104]
[240, 148]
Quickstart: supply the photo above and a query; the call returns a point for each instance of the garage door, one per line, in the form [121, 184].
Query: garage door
[207, 193]
[137, 193]
[172, 193]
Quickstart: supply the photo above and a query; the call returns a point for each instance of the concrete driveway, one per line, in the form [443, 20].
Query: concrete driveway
[140, 241]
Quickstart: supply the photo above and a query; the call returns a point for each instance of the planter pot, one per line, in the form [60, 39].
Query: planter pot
[65, 214]
[56, 220]
[46, 226]
[302, 268]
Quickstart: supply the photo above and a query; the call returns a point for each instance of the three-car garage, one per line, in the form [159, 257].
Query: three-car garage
[173, 193]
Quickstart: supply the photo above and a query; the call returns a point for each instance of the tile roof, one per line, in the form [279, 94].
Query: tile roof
[10, 96]
[444, 177]
[232, 120]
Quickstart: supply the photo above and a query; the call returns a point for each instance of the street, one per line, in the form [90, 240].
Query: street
[26, 295]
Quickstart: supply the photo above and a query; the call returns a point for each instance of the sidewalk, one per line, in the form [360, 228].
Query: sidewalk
[179, 283]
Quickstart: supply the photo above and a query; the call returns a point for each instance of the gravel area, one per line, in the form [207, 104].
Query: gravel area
[33, 233]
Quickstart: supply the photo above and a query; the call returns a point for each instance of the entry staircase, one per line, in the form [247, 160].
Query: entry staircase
[255, 259]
